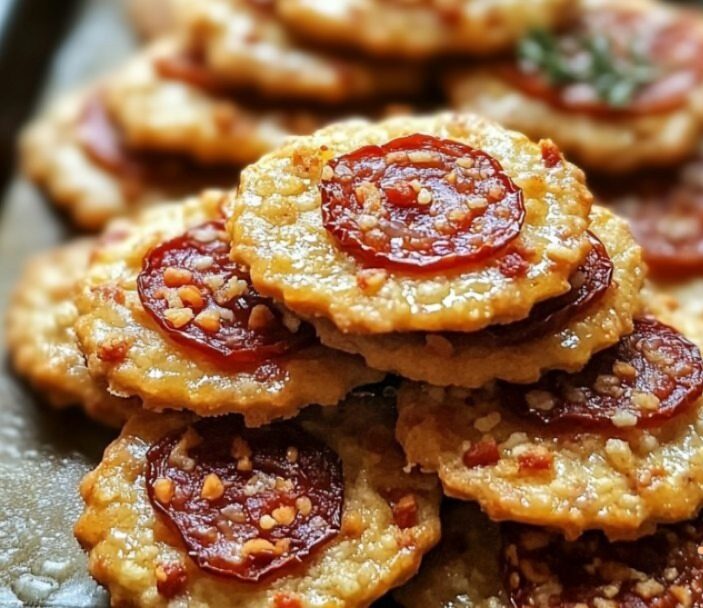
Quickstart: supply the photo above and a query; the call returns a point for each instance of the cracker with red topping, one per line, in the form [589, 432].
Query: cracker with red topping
[76, 153]
[41, 340]
[665, 210]
[622, 88]
[616, 446]
[480, 564]
[561, 333]
[312, 512]
[434, 223]
[166, 101]
[244, 44]
[165, 315]
[420, 28]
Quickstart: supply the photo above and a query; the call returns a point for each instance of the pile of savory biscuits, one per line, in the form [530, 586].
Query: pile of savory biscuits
[410, 355]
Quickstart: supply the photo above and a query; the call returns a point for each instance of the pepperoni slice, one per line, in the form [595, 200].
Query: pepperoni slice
[647, 378]
[201, 298]
[247, 502]
[588, 284]
[420, 202]
[102, 141]
[665, 211]
[660, 571]
[654, 60]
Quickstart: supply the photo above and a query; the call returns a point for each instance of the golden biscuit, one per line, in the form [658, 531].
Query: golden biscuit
[174, 115]
[135, 355]
[282, 226]
[388, 521]
[41, 340]
[463, 570]
[76, 155]
[614, 138]
[621, 475]
[471, 361]
[245, 45]
[420, 29]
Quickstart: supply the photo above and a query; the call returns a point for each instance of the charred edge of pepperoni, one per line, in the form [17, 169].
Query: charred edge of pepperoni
[650, 376]
[420, 203]
[663, 571]
[589, 284]
[202, 299]
[676, 48]
[102, 141]
[248, 503]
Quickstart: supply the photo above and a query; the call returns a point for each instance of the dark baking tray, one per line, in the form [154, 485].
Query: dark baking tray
[46, 47]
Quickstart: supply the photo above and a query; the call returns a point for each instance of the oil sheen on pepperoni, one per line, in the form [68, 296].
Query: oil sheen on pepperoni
[420, 203]
[660, 571]
[247, 502]
[202, 299]
[588, 284]
[673, 47]
[647, 378]
[665, 211]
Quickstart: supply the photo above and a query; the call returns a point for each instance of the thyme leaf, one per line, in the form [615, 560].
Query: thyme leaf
[616, 77]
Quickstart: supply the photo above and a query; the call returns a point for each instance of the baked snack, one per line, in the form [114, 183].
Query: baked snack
[420, 29]
[665, 210]
[611, 105]
[41, 340]
[165, 316]
[316, 512]
[77, 154]
[480, 564]
[616, 447]
[559, 334]
[244, 44]
[164, 101]
[438, 223]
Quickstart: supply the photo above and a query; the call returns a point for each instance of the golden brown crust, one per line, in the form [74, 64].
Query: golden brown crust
[41, 339]
[125, 347]
[624, 484]
[247, 46]
[174, 116]
[371, 555]
[278, 232]
[423, 28]
[456, 360]
[610, 143]
[53, 156]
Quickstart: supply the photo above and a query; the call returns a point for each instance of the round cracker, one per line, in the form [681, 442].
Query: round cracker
[278, 232]
[41, 339]
[624, 483]
[610, 143]
[245, 45]
[463, 360]
[175, 116]
[420, 29]
[127, 541]
[127, 349]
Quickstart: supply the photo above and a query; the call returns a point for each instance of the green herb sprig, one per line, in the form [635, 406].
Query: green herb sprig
[615, 77]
